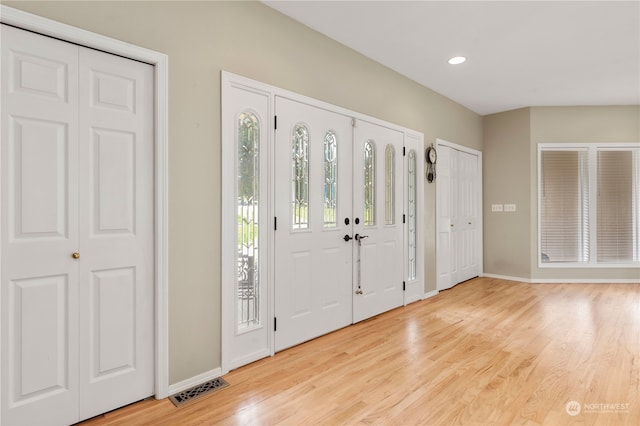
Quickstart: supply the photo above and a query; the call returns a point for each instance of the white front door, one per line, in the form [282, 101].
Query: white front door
[378, 228]
[313, 263]
[76, 231]
[290, 224]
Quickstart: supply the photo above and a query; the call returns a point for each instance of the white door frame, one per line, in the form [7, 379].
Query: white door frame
[160, 63]
[442, 142]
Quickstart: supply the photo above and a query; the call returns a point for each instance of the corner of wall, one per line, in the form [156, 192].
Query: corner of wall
[507, 164]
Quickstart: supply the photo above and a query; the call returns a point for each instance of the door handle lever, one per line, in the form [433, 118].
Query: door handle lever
[347, 237]
[359, 237]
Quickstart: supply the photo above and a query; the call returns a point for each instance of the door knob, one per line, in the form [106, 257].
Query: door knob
[347, 237]
[76, 255]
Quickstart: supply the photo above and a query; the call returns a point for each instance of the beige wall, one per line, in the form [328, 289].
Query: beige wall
[510, 144]
[506, 174]
[250, 39]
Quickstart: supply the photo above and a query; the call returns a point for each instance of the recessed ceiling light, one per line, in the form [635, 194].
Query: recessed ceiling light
[456, 60]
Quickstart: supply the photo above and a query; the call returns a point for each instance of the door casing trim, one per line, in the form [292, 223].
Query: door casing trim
[160, 62]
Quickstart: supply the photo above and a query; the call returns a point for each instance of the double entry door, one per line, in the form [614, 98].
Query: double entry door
[76, 231]
[339, 229]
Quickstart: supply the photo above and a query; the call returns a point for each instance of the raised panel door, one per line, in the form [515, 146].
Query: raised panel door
[76, 228]
[378, 199]
[116, 232]
[39, 278]
[313, 261]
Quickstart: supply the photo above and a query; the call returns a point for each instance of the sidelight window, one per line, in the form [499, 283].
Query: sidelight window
[412, 194]
[248, 238]
[300, 178]
[389, 185]
[330, 180]
[369, 183]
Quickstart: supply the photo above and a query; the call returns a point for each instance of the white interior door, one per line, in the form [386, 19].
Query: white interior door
[468, 215]
[378, 228]
[313, 264]
[446, 208]
[39, 210]
[77, 331]
[116, 232]
[458, 221]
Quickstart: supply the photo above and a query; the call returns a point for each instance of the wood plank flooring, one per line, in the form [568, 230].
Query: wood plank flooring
[487, 351]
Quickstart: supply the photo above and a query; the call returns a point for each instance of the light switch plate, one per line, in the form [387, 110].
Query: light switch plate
[510, 208]
[496, 207]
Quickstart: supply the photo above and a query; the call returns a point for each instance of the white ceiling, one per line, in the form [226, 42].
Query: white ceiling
[535, 53]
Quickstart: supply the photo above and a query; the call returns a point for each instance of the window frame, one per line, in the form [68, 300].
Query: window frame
[592, 150]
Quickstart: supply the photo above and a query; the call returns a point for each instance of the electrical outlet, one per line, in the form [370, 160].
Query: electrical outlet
[496, 207]
[510, 208]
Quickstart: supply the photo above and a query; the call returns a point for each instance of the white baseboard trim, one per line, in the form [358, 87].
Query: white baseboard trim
[430, 294]
[585, 281]
[506, 277]
[194, 381]
[564, 280]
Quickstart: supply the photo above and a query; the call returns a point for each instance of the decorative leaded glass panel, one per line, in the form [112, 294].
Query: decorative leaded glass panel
[330, 180]
[412, 183]
[389, 185]
[248, 242]
[300, 177]
[369, 183]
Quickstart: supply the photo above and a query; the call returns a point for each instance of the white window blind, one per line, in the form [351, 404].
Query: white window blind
[615, 207]
[636, 205]
[589, 204]
[564, 233]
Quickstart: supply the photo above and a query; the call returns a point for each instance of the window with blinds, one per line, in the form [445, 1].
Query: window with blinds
[589, 205]
[564, 207]
[615, 207]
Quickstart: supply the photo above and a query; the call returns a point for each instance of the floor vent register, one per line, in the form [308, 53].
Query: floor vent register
[198, 391]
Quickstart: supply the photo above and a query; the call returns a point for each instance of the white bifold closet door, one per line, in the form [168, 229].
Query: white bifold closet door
[76, 231]
[458, 207]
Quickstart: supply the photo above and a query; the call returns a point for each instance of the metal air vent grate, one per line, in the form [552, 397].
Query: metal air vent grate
[198, 391]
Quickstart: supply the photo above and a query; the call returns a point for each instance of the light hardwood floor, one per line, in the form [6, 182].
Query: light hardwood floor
[484, 352]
